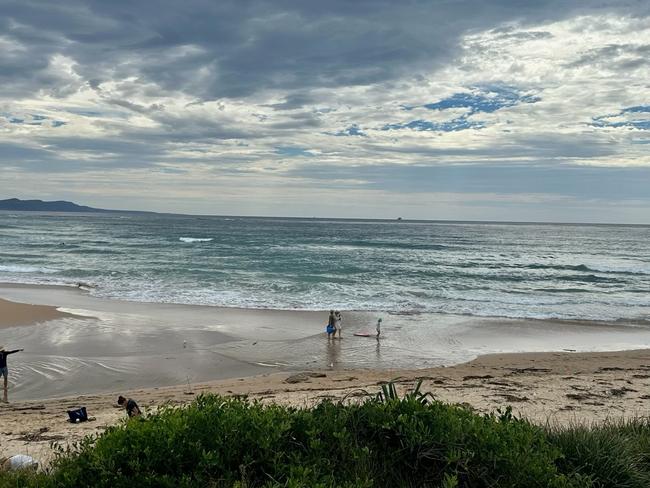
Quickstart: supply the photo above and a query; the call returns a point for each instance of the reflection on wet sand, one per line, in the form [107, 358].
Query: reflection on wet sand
[121, 345]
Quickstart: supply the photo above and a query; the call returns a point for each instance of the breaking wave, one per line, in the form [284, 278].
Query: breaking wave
[195, 239]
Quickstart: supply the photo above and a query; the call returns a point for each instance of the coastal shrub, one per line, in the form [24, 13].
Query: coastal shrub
[386, 441]
[613, 454]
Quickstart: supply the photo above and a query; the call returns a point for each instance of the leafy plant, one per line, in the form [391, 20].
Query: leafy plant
[386, 441]
[389, 393]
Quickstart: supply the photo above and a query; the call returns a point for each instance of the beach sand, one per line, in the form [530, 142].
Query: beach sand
[92, 349]
[543, 387]
[14, 314]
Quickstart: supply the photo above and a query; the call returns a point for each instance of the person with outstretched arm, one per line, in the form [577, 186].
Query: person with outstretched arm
[4, 372]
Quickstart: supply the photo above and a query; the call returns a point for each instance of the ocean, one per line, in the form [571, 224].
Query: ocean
[562, 271]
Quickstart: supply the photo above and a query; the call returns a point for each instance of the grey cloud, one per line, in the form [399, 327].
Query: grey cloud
[106, 154]
[242, 47]
[300, 120]
[511, 33]
[615, 57]
[545, 145]
[100, 145]
[293, 101]
[187, 129]
[567, 180]
[40, 160]
[13, 154]
[529, 147]
[135, 107]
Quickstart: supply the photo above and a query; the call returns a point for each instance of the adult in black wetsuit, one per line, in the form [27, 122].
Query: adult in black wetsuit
[4, 372]
[132, 409]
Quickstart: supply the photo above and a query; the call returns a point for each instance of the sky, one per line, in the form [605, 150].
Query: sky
[464, 110]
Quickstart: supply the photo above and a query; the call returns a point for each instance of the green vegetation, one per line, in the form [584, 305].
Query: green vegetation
[614, 454]
[386, 441]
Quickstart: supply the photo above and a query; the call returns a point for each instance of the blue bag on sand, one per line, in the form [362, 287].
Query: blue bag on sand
[329, 329]
[78, 415]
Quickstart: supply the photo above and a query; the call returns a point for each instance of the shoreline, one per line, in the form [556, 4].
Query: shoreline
[96, 345]
[85, 290]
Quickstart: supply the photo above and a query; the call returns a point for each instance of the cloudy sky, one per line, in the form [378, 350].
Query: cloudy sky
[455, 109]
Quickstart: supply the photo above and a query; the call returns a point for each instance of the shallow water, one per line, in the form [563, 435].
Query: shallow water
[116, 346]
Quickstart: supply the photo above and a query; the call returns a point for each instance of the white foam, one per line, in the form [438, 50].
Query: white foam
[17, 268]
[83, 313]
[195, 239]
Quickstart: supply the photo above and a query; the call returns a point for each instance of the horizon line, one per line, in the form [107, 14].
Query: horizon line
[352, 219]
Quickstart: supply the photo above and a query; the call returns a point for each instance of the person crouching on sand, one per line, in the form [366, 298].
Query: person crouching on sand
[4, 372]
[338, 323]
[132, 409]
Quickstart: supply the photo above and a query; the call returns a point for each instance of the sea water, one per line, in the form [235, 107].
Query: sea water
[591, 272]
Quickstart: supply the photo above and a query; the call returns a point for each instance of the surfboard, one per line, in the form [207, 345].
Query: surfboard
[364, 334]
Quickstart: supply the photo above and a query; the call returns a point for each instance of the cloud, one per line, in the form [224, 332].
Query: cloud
[293, 101]
[511, 33]
[352, 130]
[485, 99]
[292, 151]
[637, 117]
[452, 125]
[488, 99]
[608, 184]
[615, 57]
[235, 49]
[30, 119]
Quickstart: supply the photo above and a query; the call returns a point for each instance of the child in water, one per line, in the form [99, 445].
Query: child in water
[338, 321]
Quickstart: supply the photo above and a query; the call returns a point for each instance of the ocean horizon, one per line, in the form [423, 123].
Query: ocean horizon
[399, 219]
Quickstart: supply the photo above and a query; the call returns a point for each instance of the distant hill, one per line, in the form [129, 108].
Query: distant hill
[41, 206]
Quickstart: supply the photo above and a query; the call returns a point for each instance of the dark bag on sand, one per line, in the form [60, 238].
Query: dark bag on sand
[78, 415]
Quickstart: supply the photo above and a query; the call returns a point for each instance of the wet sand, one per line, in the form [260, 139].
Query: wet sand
[14, 314]
[101, 345]
[562, 388]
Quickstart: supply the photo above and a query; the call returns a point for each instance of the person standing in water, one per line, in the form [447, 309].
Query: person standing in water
[338, 323]
[4, 372]
[378, 328]
[331, 325]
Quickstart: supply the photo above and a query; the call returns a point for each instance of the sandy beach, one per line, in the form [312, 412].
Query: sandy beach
[84, 351]
[544, 387]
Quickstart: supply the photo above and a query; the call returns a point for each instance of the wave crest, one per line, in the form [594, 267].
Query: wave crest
[16, 268]
[195, 239]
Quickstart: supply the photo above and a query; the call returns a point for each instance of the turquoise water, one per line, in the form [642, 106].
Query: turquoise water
[514, 270]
